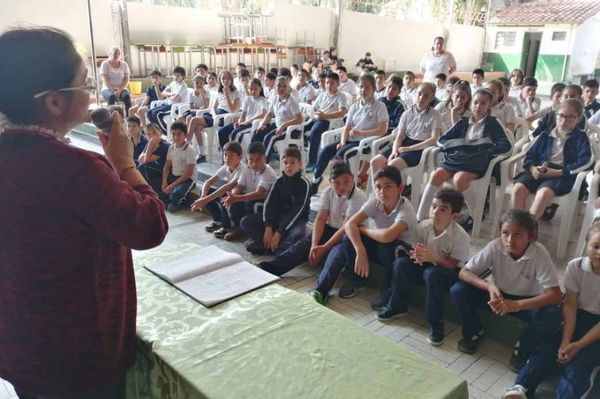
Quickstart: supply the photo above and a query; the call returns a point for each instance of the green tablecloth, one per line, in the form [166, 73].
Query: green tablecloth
[270, 343]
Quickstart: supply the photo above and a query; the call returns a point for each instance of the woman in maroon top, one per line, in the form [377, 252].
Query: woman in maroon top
[69, 218]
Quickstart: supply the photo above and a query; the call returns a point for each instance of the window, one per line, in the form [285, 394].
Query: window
[505, 39]
[559, 36]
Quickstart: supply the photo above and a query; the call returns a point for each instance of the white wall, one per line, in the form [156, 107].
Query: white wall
[291, 19]
[404, 43]
[585, 48]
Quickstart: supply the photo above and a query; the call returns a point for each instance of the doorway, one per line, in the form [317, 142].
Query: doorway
[531, 51]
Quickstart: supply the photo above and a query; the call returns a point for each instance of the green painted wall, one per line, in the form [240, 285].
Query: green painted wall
[549, 67]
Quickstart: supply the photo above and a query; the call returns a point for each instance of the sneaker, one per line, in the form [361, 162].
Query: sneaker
[549, 213]
[382, 300]
[516, 392]
[319, 297]
[233, 234]
[350, 289]
[436, 335]
[517, 360]
[387, 314]
[466, 222]
[212, 226]
[470, 345]
[220, 233]
[255, 248]
[201, 158]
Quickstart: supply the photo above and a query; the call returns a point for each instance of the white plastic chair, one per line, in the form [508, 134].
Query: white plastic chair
[521, 134]
[353, 156]
[210, 133]
[591, 213]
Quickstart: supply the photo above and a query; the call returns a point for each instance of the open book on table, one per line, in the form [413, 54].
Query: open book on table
[211, 275]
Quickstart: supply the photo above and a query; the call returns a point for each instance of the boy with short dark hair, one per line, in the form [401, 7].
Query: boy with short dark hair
[134, 131]
[175, 92]
[529, 104]
[285, 211]
[590, 91]
[155, 87]
[253, 184]
[409, 90]
[179, 173]
[441, 248]
[337, 204]
[381, 86]
[392, 101]
[394, 221]
[477, 83]
[226, 178]
[441, 91]
[269, 86]
[201, 70]
[347, 85]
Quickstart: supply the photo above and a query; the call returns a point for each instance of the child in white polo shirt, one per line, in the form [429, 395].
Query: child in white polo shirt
[409, 90]
[529, 104]
[393, 219]
[341, 200]
[226, 178]
[579, 348]
[504, 113]
[441, 248]
[525, 284]
[306, 92]
[347, 85]
[179, 173]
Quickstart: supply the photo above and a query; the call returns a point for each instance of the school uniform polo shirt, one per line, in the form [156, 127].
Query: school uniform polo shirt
[225, 174]
[581, 280]
[222, 99]
[285, 109]
[475, 129]
[366, 116]
[442, 94]
[178, 89]
[591, 109]
[514, 103]
[329, 103]
[251, 180]
[452, 242]
[151, 92]
[349, 87]
[419, 125]
[595, 119]
[253, 107]
[523, 108]
[307, 93]
[527, 276]
[504, 113]
[341, 208]
[180, 158]
[379, 94]
[403, 212]
[408, 96]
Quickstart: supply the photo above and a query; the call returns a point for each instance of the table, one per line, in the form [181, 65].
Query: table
[270, 343]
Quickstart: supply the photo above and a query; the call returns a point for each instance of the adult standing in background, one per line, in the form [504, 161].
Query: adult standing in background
[115, 78]
[69, 218]
[437, 61]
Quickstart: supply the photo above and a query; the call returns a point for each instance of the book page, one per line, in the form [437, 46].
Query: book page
[225, 283]
[195, 263]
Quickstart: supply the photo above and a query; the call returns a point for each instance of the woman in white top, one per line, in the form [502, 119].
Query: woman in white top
[115, 78]
[437, 61]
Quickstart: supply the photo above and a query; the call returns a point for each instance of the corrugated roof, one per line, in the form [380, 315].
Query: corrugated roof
[537, 11]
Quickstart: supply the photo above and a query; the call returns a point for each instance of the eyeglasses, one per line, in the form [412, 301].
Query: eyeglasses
[89, 86]
[567, 117]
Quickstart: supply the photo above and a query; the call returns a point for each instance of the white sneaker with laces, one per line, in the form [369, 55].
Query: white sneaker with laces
[516, 392]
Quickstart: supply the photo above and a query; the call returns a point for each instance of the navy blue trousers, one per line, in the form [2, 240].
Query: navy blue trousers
[254, 227]
[296, 254]
[230, 133]
[317, 128]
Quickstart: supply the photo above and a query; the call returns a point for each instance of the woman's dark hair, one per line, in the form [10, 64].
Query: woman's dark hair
[231, 85]
[23, 52]
[391, 173]
[521, 218]
[257, 82]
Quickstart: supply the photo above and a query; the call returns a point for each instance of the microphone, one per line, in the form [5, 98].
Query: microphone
[102, 119]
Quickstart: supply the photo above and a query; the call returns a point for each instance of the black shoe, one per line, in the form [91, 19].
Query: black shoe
[381, 300]
[212, 226]
[549, 213]
[255, 248]
[517, 360]
[351, 289]
[436, 334]
[466, 222]
[387, 314]
[220, 233]
[470, 345]
[201, 158]
[314, 188]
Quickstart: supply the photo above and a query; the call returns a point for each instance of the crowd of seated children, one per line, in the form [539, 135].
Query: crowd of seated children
[151, 161]
[329, 105]
[134, 131]
[366, 117]
[225, 179]
[553, 161]
[254, 107]
[179, 173]
[156, 87]
[307, 93]
[440, 249]
[285, 210]
[575, 344]
[504, 113]
[408, 92]
[381, 84]
[441, 87]
[340, 201]
[516, 82]
[467, 147]
[524, 284]
[226, 100]
[175, 92]
[477, 77]
[529, 104]
[457, 105]
[419, 128]
[285, 108]
[393, 219]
